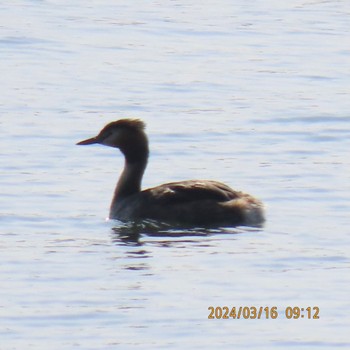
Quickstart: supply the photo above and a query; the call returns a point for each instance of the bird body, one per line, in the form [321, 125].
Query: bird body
[191, 202]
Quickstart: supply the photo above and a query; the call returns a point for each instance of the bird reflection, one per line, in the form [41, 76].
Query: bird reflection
[130, 233]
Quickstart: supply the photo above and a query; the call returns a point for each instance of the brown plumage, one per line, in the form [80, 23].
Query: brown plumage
[192, 202]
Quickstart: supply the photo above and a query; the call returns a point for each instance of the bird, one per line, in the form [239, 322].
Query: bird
[198, 203]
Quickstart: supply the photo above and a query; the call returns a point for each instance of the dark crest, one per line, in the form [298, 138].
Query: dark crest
[135, 124]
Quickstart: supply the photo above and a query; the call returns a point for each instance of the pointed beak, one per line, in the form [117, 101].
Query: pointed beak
[90, 141]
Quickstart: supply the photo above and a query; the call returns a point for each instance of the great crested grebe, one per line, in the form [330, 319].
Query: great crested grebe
[192, 202]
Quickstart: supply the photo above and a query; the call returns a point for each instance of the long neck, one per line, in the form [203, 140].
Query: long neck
[130, 180]
[135, 150]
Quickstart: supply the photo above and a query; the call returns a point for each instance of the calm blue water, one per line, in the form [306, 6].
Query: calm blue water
[252, 94]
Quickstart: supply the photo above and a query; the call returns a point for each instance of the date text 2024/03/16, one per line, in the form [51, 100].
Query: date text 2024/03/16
[261, 312]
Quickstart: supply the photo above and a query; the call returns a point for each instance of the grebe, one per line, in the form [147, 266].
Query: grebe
[192, 202]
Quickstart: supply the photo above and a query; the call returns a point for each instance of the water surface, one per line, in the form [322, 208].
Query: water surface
[254, 95]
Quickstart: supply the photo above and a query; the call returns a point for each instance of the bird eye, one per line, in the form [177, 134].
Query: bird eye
[105, 135]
